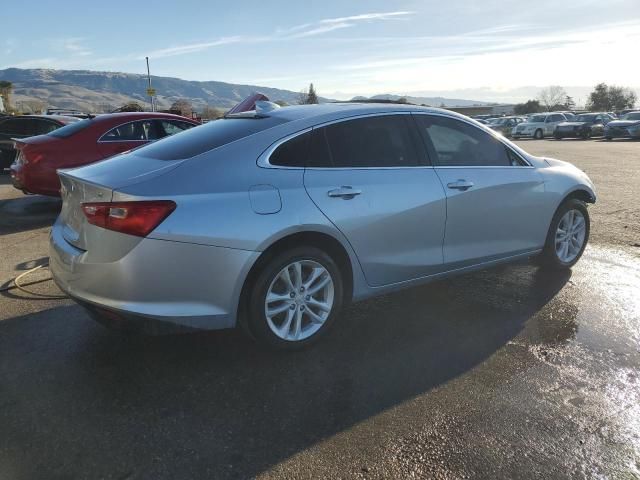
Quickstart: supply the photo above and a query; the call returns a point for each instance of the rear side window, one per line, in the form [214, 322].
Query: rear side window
[42, 127]
[380, 141]
[171, 127]
[292, 153]
[141, 130]
[207, 137]
[456, 143]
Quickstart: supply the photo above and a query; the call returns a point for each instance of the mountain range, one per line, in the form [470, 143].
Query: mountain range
[104, 91]
[94, 91]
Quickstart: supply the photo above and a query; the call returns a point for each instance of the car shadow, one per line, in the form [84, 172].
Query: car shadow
[28, 213]
[80, 401]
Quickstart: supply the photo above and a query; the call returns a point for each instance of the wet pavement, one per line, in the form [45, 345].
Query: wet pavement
[512, 372]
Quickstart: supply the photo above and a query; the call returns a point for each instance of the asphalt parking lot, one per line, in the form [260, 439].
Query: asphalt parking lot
[511, 372]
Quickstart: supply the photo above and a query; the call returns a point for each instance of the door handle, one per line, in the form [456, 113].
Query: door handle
[345, 191]
[460, 185]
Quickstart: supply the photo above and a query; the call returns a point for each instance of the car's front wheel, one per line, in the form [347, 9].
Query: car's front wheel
[568, 235]
[538, 135]
[295, 299]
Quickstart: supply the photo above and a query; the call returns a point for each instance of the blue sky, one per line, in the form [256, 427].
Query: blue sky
[466, 47]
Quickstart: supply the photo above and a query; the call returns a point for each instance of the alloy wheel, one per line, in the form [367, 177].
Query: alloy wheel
[299, 300]
[570, 235]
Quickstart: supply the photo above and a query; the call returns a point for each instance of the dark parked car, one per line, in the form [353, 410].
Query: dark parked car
[22, 127]
[627, 127]
[84, 142]
[583, 126]
[504, 125]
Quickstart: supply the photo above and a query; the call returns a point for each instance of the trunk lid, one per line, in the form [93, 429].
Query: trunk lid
[96, 183]
[74, 192]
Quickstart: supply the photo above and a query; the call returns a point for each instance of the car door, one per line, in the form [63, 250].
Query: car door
[495, 201]
[127, 136]
[368, 176]
[551, 122]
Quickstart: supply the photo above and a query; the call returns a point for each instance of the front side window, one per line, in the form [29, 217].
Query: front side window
[171, 127]
[142, 130]
[371, 142]
[456, 143]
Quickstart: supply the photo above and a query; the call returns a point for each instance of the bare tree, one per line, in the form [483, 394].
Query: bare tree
[212, 113]
[552, 96]
[183, 106]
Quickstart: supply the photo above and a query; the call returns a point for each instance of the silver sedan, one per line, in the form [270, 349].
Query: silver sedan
[274, 219]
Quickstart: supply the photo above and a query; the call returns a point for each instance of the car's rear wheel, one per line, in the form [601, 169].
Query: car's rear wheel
[608, 139]
[538, 135]
[295, 299]
[557, 136]
[586, 135]
[568, 235]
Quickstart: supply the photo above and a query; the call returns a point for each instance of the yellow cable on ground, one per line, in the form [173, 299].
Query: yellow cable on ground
[17, 284]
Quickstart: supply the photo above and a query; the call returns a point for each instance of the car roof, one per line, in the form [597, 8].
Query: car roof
[59, 118]
[126, 116]
[348, 109]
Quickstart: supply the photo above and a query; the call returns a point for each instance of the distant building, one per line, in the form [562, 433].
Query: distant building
[484, 110]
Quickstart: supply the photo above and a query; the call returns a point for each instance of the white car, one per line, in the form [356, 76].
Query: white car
[539, 125]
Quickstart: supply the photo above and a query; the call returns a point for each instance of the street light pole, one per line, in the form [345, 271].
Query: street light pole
[149, 84]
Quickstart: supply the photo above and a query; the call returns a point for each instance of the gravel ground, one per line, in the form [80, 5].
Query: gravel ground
[507, 373]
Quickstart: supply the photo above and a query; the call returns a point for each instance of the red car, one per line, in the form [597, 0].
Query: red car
[86, 141]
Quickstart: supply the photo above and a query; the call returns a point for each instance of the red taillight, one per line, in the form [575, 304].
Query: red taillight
[133, 218]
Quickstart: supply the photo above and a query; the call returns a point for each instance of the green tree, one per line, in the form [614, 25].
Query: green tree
[308, 97]
[569, 103]
[530, 106]
[607, 98]
[6, 88]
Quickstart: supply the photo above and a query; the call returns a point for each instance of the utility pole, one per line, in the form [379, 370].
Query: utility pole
[149, 89]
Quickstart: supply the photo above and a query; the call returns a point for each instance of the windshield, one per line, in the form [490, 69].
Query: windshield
[585, 118]
[632, 116]
[537, 119]
[68, 130]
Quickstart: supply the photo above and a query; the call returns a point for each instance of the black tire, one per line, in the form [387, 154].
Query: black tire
[557, 137]
[608, 139]
[586, 135]
[538, 134]
[549, 258]
[256, 320]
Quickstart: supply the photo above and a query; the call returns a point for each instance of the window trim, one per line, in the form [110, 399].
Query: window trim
[100, 140]
[527, 163]
[423, 156]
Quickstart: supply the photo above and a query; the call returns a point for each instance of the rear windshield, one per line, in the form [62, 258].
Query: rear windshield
[206, 137]
[70, 129]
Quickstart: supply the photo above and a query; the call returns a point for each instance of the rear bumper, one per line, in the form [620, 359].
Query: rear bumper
[568, 134]
[157, 286]
[522, 135]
